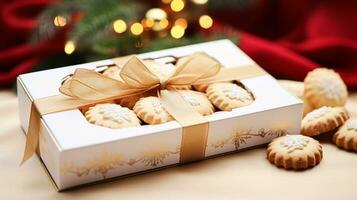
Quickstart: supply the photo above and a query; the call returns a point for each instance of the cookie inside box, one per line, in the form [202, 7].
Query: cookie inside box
[146, 108]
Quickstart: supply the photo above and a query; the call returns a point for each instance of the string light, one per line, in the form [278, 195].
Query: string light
[69, 47]
[158, 18]
[136, 28]
[177, 31]
[199, 2]
[119, 26]
[164, 23]
[181, 22]
[205, 21]
[148, 23]
[177, 5]
[60, 21]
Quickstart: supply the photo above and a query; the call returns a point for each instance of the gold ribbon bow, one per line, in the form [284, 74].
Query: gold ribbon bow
[88, 87]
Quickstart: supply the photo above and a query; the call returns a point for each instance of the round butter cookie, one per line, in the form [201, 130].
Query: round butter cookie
[295, 88]
[322, 120]
[163, 71]
[324, 87]
[227, 96]
[111, 116]
[198, 100]
[296, 152]
[151, 111]
[346, 136]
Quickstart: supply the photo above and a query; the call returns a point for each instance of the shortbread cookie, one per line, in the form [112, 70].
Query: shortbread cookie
[295, 88]
[113, 72]
[324, 87]
[294, 152]
[112, 116]
[227, 96]
[322, 120]
[163, 71]
[198, 100]
[151, 111]
[346, 136]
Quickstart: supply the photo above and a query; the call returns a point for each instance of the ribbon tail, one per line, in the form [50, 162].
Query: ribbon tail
[195, 126]
[33, 133]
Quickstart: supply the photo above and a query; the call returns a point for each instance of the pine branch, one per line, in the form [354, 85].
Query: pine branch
[99, 15]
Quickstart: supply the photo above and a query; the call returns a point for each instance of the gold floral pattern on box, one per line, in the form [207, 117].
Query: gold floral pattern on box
[105, 162]
[241, 137]
[153, 157]
[98, 165]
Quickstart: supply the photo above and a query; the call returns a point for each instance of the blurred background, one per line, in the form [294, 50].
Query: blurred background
[287, 38]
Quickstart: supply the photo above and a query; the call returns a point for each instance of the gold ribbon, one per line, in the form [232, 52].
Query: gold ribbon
[88, 87]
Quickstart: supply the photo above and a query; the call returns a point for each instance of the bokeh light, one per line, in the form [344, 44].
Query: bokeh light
[136, 28]
[205, 21]
[60, 21]
[177, 5]
[69, 47]
[119, 26]
[177, 31]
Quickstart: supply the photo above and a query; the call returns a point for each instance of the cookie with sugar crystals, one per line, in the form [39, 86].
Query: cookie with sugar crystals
[198, 101]
[227, 96]
[322, 120]
[151, 111]
[324, 87]
[163, 71]
[346, 136]
[111, 116]
[296, 152]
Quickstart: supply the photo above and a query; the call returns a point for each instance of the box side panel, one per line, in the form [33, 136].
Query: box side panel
[49, 152]
[24, 101]
[117, 158]
[245, 131]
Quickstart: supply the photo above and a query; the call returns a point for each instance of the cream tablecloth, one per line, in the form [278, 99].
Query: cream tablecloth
[244, 175]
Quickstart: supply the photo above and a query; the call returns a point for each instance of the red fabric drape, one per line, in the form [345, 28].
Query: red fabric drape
[287, 38]
[290, 38]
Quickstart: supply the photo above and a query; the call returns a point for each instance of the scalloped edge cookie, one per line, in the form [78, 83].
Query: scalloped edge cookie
[322, 120]
[296, 152]
[111, 116]
[346, 136]
[227, 96]
[151, 111]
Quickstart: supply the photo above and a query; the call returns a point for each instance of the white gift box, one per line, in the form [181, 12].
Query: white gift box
[76, 152]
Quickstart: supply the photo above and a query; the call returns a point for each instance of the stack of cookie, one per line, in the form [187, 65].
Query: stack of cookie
[324, 94]
[147, 109]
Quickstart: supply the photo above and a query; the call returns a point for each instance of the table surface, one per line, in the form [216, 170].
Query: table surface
[243, 175]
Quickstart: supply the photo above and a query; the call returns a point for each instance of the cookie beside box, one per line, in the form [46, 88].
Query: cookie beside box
[77, 152]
